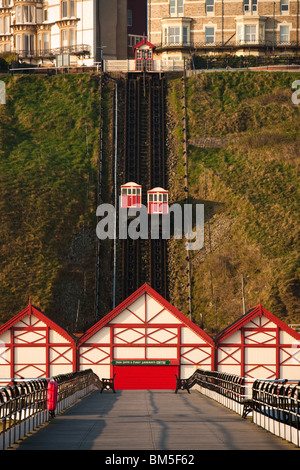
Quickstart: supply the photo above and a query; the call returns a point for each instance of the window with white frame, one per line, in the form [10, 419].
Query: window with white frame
[64, 38]
[250, 6]
[284, 6]
[284, 34]
[28, 14]
[176, 35]
[28, 42]
[209, 35]
[6, 25]
[72, 37]
[176, 7]
[64, 9]
[250, 33]
[210, 6]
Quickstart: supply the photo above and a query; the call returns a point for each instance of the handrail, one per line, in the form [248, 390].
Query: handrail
[228, 385]
[278, 400]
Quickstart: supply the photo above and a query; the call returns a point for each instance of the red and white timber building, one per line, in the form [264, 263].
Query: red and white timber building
[259, 346]
[33, 346]
[145, 341]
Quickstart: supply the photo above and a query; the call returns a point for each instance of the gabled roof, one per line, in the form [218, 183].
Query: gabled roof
[144, 42]
[256, 311]
[31, 310]
[165, 304]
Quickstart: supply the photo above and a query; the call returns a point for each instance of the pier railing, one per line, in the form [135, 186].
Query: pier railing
[23, 405]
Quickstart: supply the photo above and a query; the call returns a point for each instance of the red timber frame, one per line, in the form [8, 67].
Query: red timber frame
[31, 333]
[261, 330]
[162, 334]
[143, 53]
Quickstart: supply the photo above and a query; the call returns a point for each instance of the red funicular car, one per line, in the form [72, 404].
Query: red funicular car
[131, 195]
[157, 201]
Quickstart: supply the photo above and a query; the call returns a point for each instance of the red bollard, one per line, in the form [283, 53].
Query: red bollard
[52, 397]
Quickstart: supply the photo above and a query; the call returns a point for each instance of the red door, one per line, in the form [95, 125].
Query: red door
[145, 377]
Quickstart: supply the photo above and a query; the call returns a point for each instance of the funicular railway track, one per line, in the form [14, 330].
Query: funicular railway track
[144, 163]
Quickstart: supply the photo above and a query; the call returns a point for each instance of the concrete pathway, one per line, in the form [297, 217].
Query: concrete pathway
[150, 420]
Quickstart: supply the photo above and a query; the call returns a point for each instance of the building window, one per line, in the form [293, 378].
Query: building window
[72, 37]
[250, 6]
[28, 14]
[64, 9]
[284, 34]
[28, 43]
[210, 5]
[176, 7]
[209, 35]
[18, 13]
[174, 35]
[284, 6]
[250, 34]
[64, 38]
[72, 8]
[6, 25]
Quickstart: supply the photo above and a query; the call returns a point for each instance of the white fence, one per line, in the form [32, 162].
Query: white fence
[129, 66]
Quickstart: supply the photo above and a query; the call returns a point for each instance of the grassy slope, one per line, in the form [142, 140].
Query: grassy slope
[246, 169]
[48, 178]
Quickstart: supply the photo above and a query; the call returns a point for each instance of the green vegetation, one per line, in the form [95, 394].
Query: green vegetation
[244, 145]
[49, 134]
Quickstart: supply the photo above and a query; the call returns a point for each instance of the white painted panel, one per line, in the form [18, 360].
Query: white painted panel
[230, 369]
[189, 336]
[260, 355]
[94, 355]
[229, 355]
[101, 336]
[129, 353]
[285, 338]
[21, 337]
[30, 355]
[61, 354]
[260, 337]
[261, 372]
[126, 317]
[55, 337]
[138, 308]
[4, 373]
[122, 336]
[186, 371]
[5, 337]
[234, 338]
[164, 317]
[161, 353]
[291, 372]
[152, 307]
[195, 356]
[290, 356]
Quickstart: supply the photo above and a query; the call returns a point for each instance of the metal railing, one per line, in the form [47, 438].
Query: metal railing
[23, 405]
[280, 401]
[227, 385]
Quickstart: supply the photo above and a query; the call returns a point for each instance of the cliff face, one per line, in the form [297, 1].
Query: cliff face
[244, 141]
